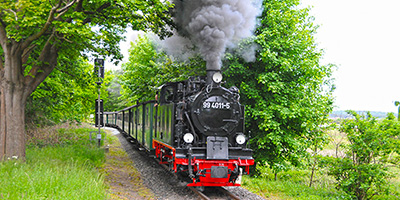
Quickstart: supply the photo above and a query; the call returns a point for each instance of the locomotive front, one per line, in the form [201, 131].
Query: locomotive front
[209, 141]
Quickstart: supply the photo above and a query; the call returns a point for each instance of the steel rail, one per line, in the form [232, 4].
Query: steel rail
[228, 193]
[200, 194]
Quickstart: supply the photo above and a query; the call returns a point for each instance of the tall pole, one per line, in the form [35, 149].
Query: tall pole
[99, 64]
[99, 110]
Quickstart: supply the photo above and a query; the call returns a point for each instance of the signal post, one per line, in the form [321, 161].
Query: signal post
[99, 109]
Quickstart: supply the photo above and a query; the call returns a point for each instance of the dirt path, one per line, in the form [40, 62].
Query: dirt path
[121, 175]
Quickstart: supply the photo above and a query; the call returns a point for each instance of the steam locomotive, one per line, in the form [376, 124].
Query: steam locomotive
[196, 127]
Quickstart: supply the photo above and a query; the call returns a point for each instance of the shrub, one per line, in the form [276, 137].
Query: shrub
[363, 172]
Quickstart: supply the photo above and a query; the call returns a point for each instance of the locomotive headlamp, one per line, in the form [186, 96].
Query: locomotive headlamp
[188, 138]
[217, 77]
[240, 139]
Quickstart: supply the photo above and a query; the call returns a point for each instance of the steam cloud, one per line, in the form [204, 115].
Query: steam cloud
[212, 26]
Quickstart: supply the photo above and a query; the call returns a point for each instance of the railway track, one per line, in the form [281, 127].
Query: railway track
[213, 193]
[209, 193]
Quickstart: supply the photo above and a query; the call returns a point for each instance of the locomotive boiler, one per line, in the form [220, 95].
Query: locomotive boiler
[196, 127]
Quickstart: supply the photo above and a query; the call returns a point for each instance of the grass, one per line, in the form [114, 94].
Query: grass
[123, 179]
[293, 184]
[61, 163]
[289, 190]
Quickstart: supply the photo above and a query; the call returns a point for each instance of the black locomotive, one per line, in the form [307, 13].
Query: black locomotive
[195, 126]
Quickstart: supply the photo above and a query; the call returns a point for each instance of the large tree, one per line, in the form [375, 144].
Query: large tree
[287, 92]
[149, 68]
[64, 94]
[35, 33]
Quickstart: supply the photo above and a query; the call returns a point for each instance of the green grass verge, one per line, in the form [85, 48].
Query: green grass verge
[293, 184]
[60, 168]
[289, 190]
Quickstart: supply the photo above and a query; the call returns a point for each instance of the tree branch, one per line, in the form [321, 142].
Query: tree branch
[3, 42]
[79, 6]
[52, 62]
[48, 61]
[38, 67]
[66, 7]
[63, 38]
[3, 34]
[13, 12]
[63, 10]
[1, 76]
[1, 62]
[50, 19]
[98, 11]
[27, 52]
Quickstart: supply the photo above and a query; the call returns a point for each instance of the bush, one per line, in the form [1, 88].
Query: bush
[291, 184]
[363, 172]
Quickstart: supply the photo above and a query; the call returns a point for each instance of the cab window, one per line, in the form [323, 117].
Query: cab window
[167, 94]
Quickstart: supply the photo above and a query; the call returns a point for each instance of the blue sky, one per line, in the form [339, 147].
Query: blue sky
[362, 37]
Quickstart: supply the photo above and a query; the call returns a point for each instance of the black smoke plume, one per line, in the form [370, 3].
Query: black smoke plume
[212, 26]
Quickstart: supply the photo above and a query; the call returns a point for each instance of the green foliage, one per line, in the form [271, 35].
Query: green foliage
[363, 172]
[287, 92]
[64, 95]
[291, 184]
[55, 34]
[91, 25]
[63, 170]
[147, 69]
[113, 90]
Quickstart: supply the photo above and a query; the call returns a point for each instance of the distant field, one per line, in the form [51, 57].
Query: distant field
[342, 114]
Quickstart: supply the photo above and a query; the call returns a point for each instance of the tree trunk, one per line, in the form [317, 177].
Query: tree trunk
[15, 88]
[12, 122]
[12, 105]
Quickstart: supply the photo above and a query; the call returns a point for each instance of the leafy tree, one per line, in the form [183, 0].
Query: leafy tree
[64, 95]
[113, 90]
[363, 172]
[287, 92]
[147, 69]
[34, 34]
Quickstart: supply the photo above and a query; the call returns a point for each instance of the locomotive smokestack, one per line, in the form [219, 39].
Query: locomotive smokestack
[214, 65]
